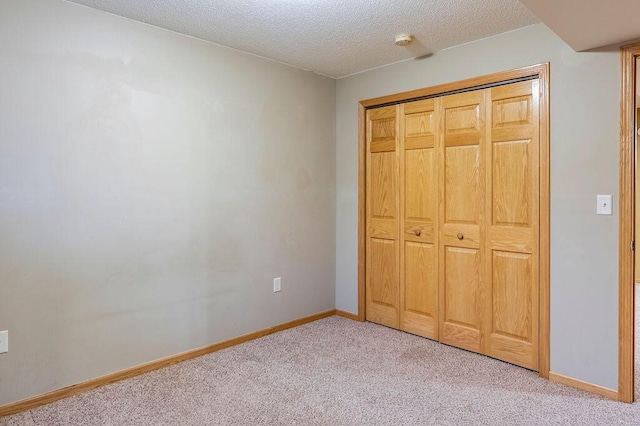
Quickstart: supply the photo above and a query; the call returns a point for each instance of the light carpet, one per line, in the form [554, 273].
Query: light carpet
[335, 372]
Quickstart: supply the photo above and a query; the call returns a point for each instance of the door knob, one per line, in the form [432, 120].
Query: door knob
[460, 236]
[417, 232]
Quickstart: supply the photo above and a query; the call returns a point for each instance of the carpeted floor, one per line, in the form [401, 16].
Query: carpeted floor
[335, 372]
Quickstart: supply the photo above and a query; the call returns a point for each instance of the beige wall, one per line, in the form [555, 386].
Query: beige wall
[151, 187]
[584, 162]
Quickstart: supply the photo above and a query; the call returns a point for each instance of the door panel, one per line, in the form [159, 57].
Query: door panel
[513, 223]
[420, 290]
[383, 283]
[419, 203]
[420, 124]
[383, 185]
[382, 293]
[462, 289]
[461, 189]
[462, 184]
[514, 109]
[420, 185]
[462, 118]
[512, 309]
[512, 197]
[383, 130]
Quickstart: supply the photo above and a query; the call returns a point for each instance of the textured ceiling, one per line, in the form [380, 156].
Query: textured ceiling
[588, 24]
[331, 37]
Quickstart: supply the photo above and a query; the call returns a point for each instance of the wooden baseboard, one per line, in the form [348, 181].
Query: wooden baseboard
[348, 315]
[579, 384]
[49, 397]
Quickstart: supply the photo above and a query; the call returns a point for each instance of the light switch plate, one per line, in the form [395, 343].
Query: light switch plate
[605, 204]
[4, 342]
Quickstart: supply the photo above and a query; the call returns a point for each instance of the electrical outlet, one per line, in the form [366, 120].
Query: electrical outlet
[4, 342]
[277, 284]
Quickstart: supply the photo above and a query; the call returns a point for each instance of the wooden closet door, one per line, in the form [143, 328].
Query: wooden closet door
[382, 212]
[462, 195]
[418, 219]
[512, 211]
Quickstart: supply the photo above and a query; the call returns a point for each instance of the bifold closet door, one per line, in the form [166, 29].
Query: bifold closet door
[512, 216]
[382, 212]
[452, 219]
[462, 194]
[419, 218]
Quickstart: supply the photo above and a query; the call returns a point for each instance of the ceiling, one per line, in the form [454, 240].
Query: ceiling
[588, 24]
[335, 38]
[338, 38]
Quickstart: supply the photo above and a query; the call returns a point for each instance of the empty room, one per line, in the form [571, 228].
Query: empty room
[318, 212]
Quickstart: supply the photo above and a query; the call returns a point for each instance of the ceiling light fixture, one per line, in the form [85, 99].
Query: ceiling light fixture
[403, 39]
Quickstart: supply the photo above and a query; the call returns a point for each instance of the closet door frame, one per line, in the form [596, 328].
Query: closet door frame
[541, 72]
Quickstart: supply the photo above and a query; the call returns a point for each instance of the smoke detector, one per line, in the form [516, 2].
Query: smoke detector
[403, 39]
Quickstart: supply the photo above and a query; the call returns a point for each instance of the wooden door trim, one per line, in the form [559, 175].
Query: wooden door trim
[468, 84]
[544, 314]
[626, 229]
[540, 71]
[362, 203]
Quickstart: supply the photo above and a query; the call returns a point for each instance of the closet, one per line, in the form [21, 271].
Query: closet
[452, 230]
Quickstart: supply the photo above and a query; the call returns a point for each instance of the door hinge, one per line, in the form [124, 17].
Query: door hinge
[633, 245]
